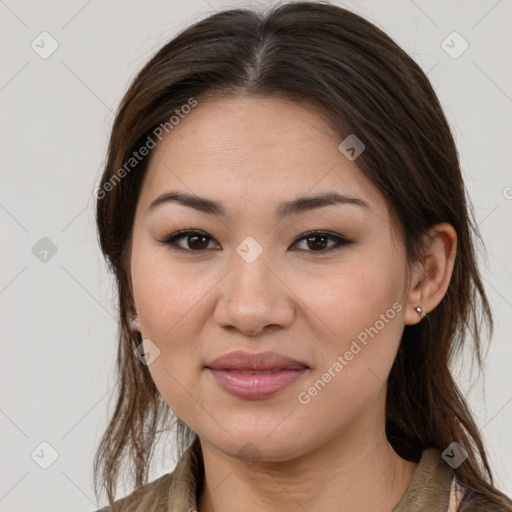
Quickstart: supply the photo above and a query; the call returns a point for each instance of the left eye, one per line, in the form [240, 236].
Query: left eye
[319, 240]
[197, 241]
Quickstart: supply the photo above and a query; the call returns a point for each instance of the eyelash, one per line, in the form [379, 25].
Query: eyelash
[171, 239]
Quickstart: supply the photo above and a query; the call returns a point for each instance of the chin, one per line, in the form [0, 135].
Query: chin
[256, 446]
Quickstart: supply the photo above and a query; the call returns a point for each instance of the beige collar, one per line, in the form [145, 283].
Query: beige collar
[432, 487]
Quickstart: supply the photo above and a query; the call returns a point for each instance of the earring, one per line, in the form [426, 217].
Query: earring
[420, 312]
[134, 322]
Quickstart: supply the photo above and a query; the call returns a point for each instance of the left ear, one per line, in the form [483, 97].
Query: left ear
[431, 277]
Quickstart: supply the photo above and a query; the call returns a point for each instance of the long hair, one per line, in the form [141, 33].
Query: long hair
[364, 84]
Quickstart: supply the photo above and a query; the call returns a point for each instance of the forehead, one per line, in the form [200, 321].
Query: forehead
[236, 148]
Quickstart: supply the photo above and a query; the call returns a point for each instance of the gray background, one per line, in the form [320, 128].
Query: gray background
[57, 315]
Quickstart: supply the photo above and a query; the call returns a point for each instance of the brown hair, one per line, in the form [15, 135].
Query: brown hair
[364, 84]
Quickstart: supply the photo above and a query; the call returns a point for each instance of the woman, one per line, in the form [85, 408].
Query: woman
[284, 212]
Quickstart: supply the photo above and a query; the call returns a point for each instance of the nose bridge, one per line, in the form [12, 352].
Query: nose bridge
[251, 268]
[253, 297]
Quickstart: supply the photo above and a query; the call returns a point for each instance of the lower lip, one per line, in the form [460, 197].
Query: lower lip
[255, 385]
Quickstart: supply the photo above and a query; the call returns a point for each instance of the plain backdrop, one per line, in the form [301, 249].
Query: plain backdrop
[58, 321]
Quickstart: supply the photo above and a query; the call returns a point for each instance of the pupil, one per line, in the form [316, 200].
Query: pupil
[195, 237]
[320, 245]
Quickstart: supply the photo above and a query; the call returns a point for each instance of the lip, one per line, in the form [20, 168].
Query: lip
[255, 376]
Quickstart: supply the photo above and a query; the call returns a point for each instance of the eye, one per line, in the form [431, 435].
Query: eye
[198, 241]
[318, 240]
[195, 240]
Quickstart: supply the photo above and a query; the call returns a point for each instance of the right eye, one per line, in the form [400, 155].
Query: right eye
[195, 240]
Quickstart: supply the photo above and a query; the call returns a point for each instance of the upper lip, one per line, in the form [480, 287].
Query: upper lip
[240, 360]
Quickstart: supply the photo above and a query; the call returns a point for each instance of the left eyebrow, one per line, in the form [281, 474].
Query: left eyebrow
[296, 206]
[303, 204]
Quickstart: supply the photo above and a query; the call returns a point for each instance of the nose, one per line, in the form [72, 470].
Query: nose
[254, 298]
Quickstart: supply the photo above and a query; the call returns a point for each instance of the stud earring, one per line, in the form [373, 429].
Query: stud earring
[420, 312]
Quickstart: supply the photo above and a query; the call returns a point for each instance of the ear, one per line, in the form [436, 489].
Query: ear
[431, 277]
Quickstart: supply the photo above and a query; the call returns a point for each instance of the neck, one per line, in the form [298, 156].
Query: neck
[356, 471]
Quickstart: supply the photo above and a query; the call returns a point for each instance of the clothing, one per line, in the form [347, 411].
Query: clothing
[432, 489]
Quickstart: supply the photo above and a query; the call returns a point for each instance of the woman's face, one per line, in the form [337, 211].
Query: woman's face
[333, 313]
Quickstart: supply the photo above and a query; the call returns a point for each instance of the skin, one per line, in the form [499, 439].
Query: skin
[251, 154]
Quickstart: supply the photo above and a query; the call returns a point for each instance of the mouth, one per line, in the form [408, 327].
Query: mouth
[255, 376]
[251, 372]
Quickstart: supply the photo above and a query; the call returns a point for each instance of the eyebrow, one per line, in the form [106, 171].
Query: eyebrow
[300, 205]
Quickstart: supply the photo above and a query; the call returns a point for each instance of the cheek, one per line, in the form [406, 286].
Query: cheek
[362, 310]
[355, 363]
[166, 294]
[168, 300]
[349, 300]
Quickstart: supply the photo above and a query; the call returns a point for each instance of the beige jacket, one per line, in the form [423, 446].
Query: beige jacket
[432, 488]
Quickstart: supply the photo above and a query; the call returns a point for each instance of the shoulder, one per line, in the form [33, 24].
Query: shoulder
[153, 496]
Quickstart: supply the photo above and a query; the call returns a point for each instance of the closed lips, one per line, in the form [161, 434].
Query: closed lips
[255, 376]
[254, 372]
[259, 362]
